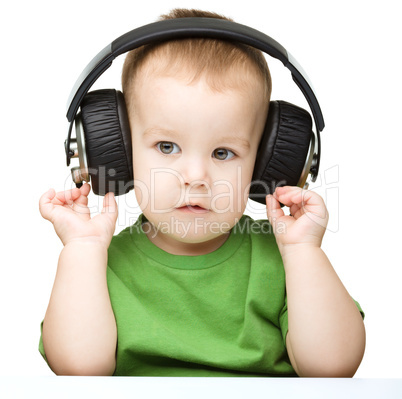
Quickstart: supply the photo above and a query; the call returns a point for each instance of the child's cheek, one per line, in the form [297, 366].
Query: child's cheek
[227, 197]
[230, 192]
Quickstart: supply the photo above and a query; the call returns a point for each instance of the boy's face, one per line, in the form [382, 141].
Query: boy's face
[194, 151]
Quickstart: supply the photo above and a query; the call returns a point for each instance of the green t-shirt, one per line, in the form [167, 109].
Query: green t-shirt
[219, 314]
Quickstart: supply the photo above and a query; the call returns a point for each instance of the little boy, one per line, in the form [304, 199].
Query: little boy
[194, 287]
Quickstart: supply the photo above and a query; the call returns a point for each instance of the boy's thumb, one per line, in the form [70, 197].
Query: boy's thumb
[110, 206]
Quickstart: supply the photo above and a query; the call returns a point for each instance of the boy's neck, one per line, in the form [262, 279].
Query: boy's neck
[175, 247]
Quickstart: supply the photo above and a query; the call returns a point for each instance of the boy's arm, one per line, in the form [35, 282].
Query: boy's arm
[326, 335]
[79, 329]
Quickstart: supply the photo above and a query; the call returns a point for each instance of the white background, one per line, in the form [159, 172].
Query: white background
[352, 53]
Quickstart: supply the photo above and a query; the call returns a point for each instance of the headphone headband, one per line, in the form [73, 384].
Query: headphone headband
[182, 28]
[191, 28]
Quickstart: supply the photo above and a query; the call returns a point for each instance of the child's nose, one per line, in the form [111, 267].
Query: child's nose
[195, 172]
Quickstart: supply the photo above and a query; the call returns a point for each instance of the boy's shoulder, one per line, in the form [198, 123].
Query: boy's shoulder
[248, 225]
[128, 235]
[134, 228]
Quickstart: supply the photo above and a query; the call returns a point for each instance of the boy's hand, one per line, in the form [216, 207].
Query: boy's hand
[307, 221]
[70, 215]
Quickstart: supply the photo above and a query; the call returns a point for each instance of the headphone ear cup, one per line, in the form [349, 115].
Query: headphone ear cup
[283, 149]
[108, 141]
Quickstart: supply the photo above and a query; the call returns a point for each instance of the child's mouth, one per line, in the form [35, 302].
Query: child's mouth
[192, 209]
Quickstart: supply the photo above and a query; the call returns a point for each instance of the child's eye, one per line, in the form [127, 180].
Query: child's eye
[222, 154]
[167, 147]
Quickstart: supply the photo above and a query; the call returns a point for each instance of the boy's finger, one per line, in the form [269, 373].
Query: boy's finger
[305, 202]
[80, 205]
[66, 197]
[47, 196]
[274, 210]
[85, 189]
[44, 202]
[289, 195]
[110, 206]
[83, 198]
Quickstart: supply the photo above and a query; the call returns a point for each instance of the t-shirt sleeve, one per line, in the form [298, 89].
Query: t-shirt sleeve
[360, 309]
[283, 321]
[41, 348]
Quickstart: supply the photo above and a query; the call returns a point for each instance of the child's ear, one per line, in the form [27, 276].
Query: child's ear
[107, 141]
[283, 151]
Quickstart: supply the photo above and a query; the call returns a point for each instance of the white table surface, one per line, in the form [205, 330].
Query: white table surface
[194, 388]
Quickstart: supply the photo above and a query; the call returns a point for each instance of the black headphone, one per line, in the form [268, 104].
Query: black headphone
[289, 149]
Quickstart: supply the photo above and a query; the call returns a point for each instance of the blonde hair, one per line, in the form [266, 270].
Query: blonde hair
[224, 64]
